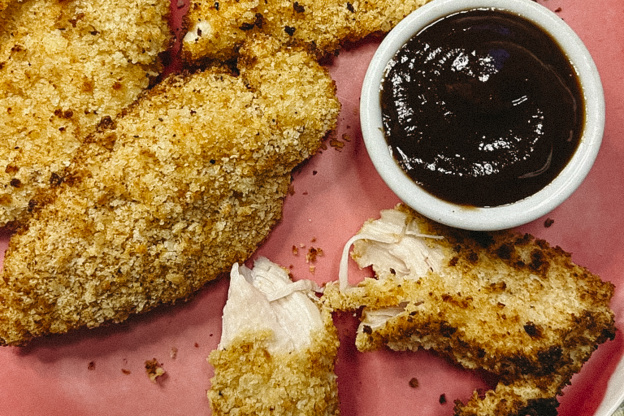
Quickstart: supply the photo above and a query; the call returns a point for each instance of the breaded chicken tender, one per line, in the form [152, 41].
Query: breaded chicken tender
[64, 65]
[278, 348]
[164, 198]
[215, 29]
[504, 302]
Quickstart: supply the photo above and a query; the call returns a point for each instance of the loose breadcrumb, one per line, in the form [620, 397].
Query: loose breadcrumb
[162, 199]
[65, 65]
[154, 370]
[313, 254]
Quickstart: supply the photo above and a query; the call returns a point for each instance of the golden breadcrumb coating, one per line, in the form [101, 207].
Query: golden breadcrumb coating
[251, 380]
[64, 65]
[504, 302]
[187, 181]
[217, 28]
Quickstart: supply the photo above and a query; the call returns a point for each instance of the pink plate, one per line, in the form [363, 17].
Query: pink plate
[101, 371]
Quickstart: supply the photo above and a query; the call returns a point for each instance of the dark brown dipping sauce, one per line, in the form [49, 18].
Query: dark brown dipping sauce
[482, 108]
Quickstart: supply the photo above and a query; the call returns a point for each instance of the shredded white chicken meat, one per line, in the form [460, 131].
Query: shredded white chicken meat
[393, 245]
[265, 298]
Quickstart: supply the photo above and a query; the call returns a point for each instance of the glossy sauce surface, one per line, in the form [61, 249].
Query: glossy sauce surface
[482, 108]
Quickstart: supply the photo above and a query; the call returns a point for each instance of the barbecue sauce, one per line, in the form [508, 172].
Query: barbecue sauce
[482, 108]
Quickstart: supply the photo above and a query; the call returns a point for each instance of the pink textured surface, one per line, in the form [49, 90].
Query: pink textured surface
[101, 371]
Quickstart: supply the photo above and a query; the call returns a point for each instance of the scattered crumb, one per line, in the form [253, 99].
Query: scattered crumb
[413, 383]
[154, 370]
[180, 4]
[125, 371]
[442, 398]
[291, 189]
[558, 9]
[173, 353]
[312, 269]
[91, 365]
[336, 144]
[295, 250]
[314, 173]
[313, 254]
[548, 222]
[196, 345]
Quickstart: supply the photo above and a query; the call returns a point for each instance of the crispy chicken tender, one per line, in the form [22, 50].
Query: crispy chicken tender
[161, 200]
[277, 350]
[64, 65]
[504, 302]
[215, 29]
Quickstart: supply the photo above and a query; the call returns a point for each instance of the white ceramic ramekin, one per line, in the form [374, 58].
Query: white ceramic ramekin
[503, 216]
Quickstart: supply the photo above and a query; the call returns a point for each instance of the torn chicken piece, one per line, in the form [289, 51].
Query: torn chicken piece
[278, 347]
[64, 66]
[504, 302]
[215, 30]
[166, 197]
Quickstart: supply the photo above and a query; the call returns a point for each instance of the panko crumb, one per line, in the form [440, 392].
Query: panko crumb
[336, 144]
[313, 253]
[413, 383]
[154, 370]
[173, 353]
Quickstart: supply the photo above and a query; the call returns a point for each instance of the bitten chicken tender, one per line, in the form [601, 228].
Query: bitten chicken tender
[64, 65]
[215, 29]
[164, 198]
[504, 302]
[278, 347]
